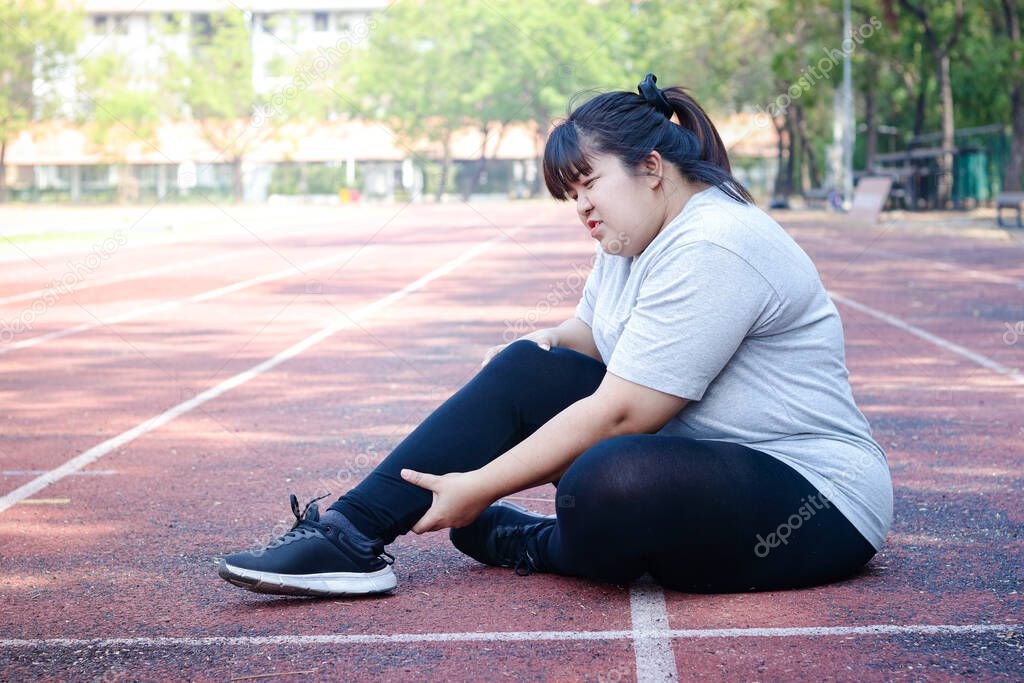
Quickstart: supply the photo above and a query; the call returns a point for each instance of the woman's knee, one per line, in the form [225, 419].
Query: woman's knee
[559, 369]
[604, 475]
[518, 355]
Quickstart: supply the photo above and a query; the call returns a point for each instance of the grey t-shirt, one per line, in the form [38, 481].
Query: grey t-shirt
[725, 309]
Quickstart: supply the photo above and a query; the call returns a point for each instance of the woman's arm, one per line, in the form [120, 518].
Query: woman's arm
[617, 407]
[576, 335]
[572, 334]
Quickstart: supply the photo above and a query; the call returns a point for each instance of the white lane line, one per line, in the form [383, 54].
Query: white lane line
[940, 265]
[981, 360]
[655, 659]
[342, 322]
[509, 636]
[21, 473]
[56, 289]
[175, 303]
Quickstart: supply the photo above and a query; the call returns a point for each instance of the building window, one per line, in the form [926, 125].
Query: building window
[266, 22]
[121, 25]
[202, 27]
[99, 23]
[319, 21]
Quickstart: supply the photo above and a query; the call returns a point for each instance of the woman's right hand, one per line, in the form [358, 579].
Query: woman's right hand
[545, 339]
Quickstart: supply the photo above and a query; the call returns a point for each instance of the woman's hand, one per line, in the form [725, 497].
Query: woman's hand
[458, 499]
[545, 339]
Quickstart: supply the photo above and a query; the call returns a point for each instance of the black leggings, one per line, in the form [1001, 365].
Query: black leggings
[698, 515]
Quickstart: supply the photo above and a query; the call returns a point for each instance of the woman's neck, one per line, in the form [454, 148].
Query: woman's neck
[677, 198]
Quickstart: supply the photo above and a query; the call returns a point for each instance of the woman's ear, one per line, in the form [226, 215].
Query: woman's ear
[653, 166]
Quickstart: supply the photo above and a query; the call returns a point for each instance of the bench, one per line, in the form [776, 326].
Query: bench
[817, 196]
[1009, 200]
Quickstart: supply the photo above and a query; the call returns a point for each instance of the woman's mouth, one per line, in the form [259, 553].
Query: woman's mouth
[593, 225]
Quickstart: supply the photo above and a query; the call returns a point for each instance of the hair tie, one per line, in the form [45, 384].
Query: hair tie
[653, 95]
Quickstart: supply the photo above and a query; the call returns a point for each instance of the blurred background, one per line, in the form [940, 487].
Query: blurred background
[339, 101]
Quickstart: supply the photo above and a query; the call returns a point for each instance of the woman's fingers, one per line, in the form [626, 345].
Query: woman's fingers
[421, 479]
[491, 353]
[423, 526]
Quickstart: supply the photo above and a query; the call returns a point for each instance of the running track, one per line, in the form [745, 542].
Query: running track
[158, 416]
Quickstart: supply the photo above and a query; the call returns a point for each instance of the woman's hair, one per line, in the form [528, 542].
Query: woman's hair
[631, 125]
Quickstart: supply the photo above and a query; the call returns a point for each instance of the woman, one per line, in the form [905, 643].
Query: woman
[695, 415]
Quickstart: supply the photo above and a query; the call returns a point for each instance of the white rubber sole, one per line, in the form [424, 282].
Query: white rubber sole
[509, 504]
[323, 585]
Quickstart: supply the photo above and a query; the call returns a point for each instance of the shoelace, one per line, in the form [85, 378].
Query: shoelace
[524, 564]
[303, 527]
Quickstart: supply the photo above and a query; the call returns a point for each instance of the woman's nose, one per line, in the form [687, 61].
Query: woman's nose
[583, 204]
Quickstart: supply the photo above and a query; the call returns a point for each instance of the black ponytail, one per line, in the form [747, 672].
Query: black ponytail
[631, 126]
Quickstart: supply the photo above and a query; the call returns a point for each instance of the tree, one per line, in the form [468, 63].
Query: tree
[37, 39]
[941, 23]
[215, 87]
[121, 105]
[1006, 16]
[433, 67]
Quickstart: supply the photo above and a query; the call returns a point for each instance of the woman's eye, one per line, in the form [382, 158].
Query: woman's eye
[589, 183]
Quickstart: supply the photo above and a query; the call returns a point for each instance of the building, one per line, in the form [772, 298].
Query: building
[59, 160]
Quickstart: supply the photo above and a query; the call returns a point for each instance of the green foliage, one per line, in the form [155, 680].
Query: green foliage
[215, 80]
[430, 67]
[293, 179]
[121, 104]
[37, 40]
[433, 66]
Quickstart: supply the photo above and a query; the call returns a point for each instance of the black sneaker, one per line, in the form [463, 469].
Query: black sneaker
[313, 558]
[504, 535]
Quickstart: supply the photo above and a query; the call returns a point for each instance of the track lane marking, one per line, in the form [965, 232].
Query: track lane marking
[344, 321]
[655, 658]
[512, 636]
[176, 303]
[134, 275]
[940, 265]
[983, 361]
[195, 298]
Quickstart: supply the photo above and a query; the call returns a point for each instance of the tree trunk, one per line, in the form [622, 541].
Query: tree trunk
[3, 171]
[784, 175]
[813, 172]
[941, 50]
[1015, 167]
[237, 190]
[481, 165]
[945, 180]
[446, 163]
[871, 123]
[922, 101]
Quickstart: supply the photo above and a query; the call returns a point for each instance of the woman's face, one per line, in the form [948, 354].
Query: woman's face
[618, 206]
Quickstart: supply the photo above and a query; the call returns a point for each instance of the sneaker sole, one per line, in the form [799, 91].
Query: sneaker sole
[320, 585]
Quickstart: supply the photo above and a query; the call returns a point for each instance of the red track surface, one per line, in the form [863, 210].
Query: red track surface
[129, 552]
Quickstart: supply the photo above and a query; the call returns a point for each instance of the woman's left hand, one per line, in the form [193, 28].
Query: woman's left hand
[458, 499]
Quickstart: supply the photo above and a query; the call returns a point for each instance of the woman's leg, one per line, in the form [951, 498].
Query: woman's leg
[518, 390]
[700, 516]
